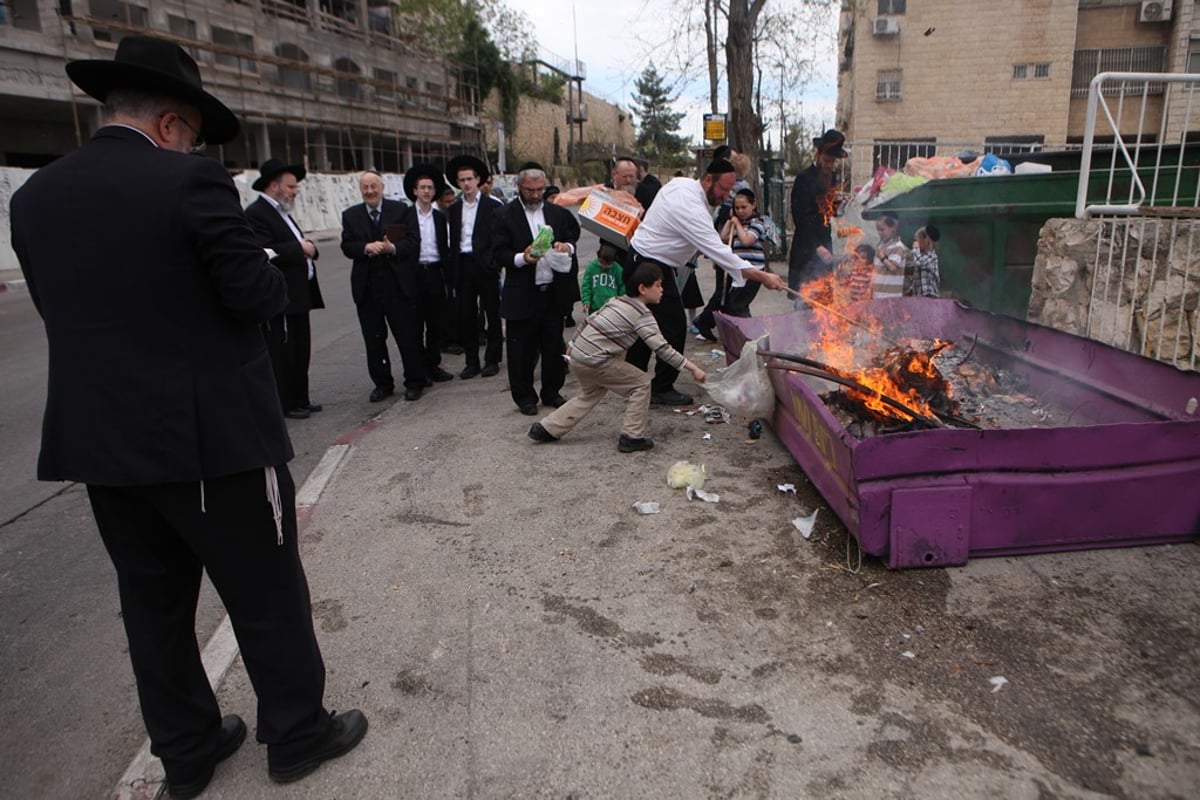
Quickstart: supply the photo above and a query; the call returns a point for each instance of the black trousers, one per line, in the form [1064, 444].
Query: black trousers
[161, 538]
[289, 343]
[384, 306]
[429, 313]
[539, 336]
[672, 322]
[479, 297]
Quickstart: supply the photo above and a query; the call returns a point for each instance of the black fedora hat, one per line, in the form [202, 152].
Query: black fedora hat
[272, 168]
[831, 142]
[423, 170]
[528, 165]
[459, 163]
[155, 65]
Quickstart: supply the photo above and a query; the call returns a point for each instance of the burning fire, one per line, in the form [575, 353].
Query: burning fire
[851, 347]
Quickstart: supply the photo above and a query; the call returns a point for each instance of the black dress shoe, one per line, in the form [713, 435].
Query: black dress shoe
[297, 413]
[556, 401]
[453, 349]
[412, 393]
[671, 398]
[314, 407]
[529, 409]
[469, 371]
[379, 394]
[489, 370]
[229, 739]
[569, 322]
[540, 434]
[440, 375]
[347, 731]
[628, 444]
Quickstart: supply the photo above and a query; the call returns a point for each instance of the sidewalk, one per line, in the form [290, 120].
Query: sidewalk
[513, 628]
[11, 280]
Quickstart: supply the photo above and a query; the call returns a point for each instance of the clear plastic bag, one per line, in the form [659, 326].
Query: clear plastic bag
[744, 385]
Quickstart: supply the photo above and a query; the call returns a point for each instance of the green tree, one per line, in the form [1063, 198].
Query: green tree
[657, 123]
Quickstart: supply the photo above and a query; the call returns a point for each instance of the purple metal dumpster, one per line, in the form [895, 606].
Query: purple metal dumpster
[1124, 471]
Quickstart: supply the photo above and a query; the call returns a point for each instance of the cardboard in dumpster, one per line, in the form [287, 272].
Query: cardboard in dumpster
[609, 218]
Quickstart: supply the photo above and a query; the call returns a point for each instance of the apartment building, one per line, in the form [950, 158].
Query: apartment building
[934, 77]
[335, 83]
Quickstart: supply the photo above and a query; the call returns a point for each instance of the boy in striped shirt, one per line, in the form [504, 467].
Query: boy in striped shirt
[891, 257]
[597, 357]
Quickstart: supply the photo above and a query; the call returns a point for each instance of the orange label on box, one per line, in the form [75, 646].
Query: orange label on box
[616, 219]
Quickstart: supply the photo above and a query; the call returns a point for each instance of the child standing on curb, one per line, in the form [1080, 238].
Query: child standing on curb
[601, 279]
[597, 357]
[926, 277]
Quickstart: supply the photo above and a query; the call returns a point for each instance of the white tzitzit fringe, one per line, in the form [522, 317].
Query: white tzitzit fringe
[276, 505]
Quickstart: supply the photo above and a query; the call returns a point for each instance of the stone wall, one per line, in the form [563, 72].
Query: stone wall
[1133, 283]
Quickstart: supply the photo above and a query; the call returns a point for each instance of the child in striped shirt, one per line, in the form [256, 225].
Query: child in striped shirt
[891, 256]
[597, 356]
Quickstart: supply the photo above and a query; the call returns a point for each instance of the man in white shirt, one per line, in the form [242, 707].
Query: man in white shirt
[676, 226]
[478, 279]
[422, 184]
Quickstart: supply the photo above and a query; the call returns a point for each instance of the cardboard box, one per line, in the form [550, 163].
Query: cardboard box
[609, 218]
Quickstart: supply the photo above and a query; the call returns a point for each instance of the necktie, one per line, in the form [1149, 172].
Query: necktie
[375, 222]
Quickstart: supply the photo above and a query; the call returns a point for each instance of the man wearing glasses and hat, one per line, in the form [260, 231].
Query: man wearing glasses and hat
[162, 401]
[289, 335]
[812, 206]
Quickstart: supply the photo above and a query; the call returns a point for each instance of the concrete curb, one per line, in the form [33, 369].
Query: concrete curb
[17, 285]
[144, 778]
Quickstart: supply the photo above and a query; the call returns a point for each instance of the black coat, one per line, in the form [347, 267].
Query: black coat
[357, 232]
[304, 293]
[808, 219]
[158, 368]
[511, 235]
[481, 234]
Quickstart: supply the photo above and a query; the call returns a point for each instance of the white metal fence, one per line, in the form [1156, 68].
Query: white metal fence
[1143, 190]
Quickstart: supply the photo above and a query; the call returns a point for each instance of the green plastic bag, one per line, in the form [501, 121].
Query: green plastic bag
[542, 242]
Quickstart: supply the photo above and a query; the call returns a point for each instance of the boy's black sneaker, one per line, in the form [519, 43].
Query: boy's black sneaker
[540, 434]
[628, 444]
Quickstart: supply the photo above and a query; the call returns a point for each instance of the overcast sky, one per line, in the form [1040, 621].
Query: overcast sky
[603, 34]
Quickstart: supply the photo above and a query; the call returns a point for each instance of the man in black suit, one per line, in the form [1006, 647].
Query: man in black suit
[289, 335]
[162, 400]
[377, 276]
[534, 300]
[478, 279]
[424, 266]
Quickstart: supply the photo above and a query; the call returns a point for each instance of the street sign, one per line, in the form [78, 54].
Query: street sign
[714, 127]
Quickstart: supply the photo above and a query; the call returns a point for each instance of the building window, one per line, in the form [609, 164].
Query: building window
[1193, 57]
[1041, 70]
[234, 49]
[1020, 72]
[348, 85]
[287, 9]
[413, 87]
[21, 14]
[120, 13]
[892, 7]
[1014, 143]
[294, 75]
[184, 28]
[895, 153]
[1090, 63]
[386, 88]
[888, 84]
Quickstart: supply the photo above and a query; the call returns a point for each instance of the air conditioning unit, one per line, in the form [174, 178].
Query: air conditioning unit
[886, 26]
[1155, 10]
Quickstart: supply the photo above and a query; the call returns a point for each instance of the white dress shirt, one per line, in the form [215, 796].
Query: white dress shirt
[680, 222]
[287, 218]
[469, 210]
[429, 248]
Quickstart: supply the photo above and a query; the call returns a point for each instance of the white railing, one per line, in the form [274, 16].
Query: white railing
[1145, 279]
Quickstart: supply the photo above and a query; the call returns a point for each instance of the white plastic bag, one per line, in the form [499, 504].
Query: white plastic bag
[744, 385]
[559, 262]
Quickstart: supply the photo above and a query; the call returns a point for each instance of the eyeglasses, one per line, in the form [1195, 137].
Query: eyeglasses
[198, 143]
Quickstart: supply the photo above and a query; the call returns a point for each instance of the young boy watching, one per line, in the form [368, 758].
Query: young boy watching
[926, 278]
[601, 278]
[598, 362]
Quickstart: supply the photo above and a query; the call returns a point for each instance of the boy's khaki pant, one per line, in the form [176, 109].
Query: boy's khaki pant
[615, 375]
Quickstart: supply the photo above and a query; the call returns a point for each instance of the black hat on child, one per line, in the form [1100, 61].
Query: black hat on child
[154, 65]
[459, 163]
[423, 170]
